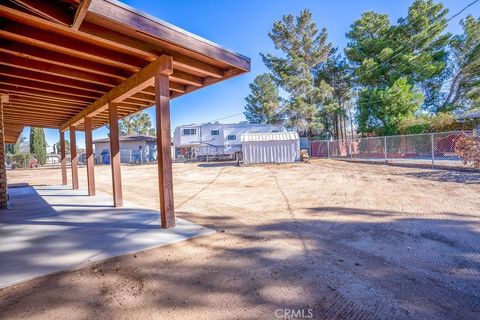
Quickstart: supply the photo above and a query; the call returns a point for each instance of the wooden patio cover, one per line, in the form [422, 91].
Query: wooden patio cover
[76, 65]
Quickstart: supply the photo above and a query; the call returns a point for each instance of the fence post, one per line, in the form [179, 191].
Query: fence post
[433, 150]
[328, 148]
[385, 148]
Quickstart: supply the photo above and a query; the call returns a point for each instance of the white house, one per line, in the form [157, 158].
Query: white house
[273, 147]
[216, 139]
[133, 149]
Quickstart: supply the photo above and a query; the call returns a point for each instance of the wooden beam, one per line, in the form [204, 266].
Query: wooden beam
[47, 10]
[52, 79]
[55, 88]
[50, 96]
[69, 46]
[74, 157]
[50, 100]
[54, 113]
[58, 59]
[34, 123]
[139, 46]
[33, 101]
[186, 78]
[90, 156]
[4, 98]
[63, 158]
[80, 14]
[137, 82]
[3, 169]
[111, 39]
[164, 156]
[125, 15]
[115, 155]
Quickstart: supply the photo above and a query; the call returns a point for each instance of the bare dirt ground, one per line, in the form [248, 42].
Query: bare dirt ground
[337, 240]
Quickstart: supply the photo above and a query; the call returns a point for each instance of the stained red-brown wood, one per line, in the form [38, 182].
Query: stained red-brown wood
[47, 10]
[164, 156]
[115, 155]
[90, 156]
[63, 158]
[3, 169]
[137, 82]
[80, 14]
[62, 64]
[74, 157]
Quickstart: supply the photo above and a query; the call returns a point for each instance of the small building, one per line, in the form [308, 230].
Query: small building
[133, 149]
[52, 158]
[272, 147]
[475, 116]
[216, 139]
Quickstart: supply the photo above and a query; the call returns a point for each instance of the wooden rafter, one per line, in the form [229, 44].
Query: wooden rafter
[139, 81]
[80, 14]
[46, 10]
[57, 72]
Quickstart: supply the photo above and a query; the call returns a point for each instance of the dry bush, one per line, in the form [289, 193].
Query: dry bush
[468, 148]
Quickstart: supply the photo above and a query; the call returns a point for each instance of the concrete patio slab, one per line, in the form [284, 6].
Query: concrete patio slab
[54, 228]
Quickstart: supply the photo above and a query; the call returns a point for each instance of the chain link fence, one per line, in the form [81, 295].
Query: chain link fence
[429, 148]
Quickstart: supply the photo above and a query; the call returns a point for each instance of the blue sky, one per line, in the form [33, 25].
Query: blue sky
[243, 27]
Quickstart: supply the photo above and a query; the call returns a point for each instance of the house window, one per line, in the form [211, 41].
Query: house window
[231, 137]
[215, 132]
[189, 132]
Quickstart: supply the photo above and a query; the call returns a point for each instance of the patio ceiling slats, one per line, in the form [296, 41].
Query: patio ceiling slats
[60, 60]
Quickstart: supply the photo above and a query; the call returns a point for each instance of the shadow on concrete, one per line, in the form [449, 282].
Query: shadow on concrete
[44, 233]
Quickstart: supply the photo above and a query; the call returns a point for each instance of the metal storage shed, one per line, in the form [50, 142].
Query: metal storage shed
[272, 147]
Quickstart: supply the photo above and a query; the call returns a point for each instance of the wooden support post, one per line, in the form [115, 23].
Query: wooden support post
[3, 169]
[164, 157]
[63, 158]
[115, 155]
[74, 157]
[90, 156]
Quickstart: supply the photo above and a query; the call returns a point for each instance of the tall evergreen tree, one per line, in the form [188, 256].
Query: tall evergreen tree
[304, 49]
[263, 102]
[38, 144]
[463, 91]
[407, 59]
[337, 74]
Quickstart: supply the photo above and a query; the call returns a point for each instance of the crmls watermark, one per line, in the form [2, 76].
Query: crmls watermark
[294, 313]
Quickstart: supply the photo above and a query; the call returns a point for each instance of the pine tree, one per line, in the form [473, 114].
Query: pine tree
[38, 144]
[386, 58]
[136, 124]
[304, 49]
[263, 102]
[463, 93]
[337, 74]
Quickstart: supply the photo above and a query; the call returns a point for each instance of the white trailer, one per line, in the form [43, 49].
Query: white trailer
[216, 139]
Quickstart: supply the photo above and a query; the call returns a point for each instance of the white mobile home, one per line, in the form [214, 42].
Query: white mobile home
[274, 147]
[216, 139]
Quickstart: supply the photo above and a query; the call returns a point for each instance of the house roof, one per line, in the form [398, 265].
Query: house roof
[240, 124]
[64, 60]
[269, 136]
[471, 115]
[129, 138]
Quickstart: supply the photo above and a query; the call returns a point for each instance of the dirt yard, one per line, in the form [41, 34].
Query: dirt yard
[332, 239]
